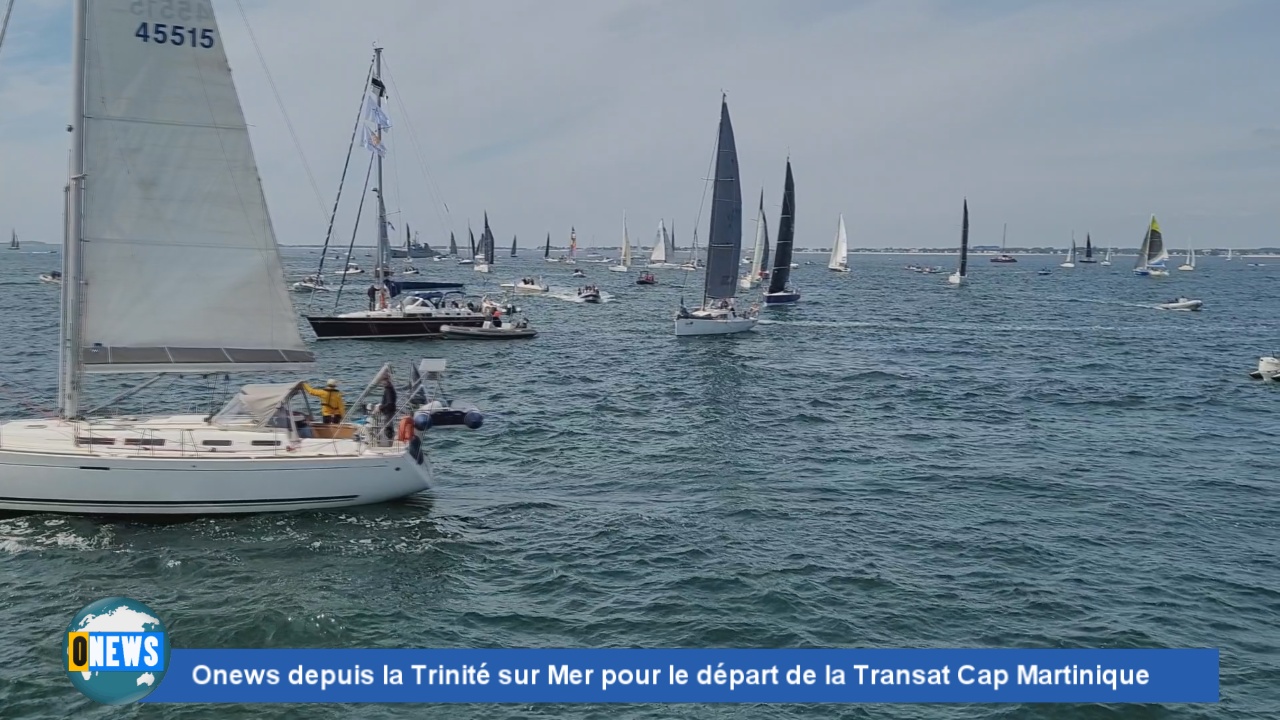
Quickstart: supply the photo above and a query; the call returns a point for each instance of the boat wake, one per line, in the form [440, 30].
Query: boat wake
[943, 327]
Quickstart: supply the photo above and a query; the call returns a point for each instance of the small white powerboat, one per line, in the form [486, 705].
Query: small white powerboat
[489, 331]
[53, 278]
[589, 294]
[528, 285]
[352, 269]
[1181, 304]
[578, 274]
[1268, 368]
[311, 283]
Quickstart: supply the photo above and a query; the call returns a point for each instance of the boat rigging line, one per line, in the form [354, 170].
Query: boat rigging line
[432, 187]
[355, 130]
[297, 144]
[4, 24]
[715, 146]
[355, 229]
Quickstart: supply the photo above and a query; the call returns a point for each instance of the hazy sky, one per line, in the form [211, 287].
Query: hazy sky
[1084, 115]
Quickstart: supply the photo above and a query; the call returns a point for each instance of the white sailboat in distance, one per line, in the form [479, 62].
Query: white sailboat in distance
[172, 267]
[1190, 264]
[718, 314]
[1071, 254]
[839, 260]
[624, 262]
[753, 275]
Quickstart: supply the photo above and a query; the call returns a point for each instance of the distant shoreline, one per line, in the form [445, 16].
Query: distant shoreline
[1212, 252]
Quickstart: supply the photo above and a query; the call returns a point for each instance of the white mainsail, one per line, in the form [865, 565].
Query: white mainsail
[840, 252]
[757, 252]
[659, 255]
[624, 262]
[178, 264]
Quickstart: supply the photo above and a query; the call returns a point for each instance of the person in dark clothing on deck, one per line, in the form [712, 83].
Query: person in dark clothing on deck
[387, 408]
[373, 297]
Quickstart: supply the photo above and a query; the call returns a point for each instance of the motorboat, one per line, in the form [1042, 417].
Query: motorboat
[1181, 304]
[490, 306]
[527, 285]
[1042, 272]
[491, 330]
[311, 283]
[410, 270]
[589, 294]
[1268, 368]
[53, 277]
[646, 278]
[351, 269]
[578, 274]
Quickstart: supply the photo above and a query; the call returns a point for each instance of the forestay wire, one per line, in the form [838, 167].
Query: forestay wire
[346, 164]
[306, 166]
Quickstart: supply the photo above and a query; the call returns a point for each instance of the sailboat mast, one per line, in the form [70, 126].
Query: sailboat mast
[964, 240]
[72, 327]
[384, 243]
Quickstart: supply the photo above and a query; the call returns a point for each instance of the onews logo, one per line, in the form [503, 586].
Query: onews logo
[116, 651]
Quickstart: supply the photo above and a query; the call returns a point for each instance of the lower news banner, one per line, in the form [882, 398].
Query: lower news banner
[690, 676]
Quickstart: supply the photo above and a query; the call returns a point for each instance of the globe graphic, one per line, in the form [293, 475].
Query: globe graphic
[116, 614]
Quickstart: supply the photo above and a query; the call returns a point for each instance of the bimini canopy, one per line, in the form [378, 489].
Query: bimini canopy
[256, 404]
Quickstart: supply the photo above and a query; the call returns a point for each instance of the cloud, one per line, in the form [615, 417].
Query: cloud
[1050, 115]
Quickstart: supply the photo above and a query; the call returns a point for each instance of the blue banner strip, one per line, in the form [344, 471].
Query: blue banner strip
[690, 676]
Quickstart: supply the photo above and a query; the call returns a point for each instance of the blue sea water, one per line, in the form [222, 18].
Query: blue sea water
[1032, 461]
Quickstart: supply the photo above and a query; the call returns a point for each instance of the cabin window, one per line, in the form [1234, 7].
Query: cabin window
[217, 443]
[96, 441]
[266, 443]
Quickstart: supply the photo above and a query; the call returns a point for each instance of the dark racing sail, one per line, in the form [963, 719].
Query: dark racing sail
[781, 273]
[724, 240]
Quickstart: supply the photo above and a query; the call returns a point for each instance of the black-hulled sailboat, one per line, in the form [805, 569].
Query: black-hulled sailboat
[513, 246]
[718, 315]
[960, 275]
[780, 291]
[390, 314]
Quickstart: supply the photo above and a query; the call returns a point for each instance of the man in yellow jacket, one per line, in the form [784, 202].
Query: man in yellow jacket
[331, 405]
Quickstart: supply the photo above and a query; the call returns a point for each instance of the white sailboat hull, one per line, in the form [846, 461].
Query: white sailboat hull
[688, 327]
[42, 471]
[481, 268]
[955, 278]
[619, 268]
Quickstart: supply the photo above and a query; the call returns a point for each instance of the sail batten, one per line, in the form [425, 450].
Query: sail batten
[781, 273]
[177, 249]
[724, 239]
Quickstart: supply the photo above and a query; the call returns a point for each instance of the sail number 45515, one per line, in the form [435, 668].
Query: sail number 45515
[175, 35]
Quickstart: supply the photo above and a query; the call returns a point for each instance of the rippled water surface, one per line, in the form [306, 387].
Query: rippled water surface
[1039, 461]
